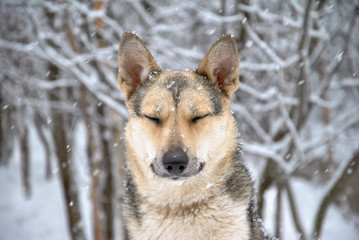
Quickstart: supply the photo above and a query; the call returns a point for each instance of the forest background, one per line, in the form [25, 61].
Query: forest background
[62, 114]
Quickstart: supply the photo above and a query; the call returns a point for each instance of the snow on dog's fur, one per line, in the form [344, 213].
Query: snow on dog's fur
[185, 176]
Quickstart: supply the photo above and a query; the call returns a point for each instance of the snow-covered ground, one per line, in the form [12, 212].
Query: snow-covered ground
[43, 216]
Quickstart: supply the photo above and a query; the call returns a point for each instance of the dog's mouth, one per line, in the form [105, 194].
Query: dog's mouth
[192, 169]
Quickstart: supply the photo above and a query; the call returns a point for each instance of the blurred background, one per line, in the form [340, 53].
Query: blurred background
[62, 114]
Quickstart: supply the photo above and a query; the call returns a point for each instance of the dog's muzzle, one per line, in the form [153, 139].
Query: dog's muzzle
[175, 165]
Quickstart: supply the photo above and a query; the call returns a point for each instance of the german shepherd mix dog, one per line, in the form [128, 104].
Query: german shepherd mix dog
[185, 175]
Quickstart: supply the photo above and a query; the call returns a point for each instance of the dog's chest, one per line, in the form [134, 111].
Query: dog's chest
[223, 219]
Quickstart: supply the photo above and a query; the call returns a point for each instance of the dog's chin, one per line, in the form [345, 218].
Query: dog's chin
[189, 172]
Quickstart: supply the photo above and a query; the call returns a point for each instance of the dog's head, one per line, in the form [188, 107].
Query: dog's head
[180, 123]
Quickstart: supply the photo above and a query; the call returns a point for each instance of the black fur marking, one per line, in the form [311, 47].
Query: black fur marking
[239, 183]
[176, 85]
[132, 199]
[251, 216]
[153, 168]
[216, 101]
[201, 166]
[213, 94]
[127, 235]
[239, 186]
[139, 95]
[256, 225]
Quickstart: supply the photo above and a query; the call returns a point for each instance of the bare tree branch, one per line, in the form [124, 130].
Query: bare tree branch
[333, 188]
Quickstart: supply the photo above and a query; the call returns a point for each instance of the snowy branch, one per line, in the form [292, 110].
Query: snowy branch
[263, 45]
[266, 96]
[292, 129]
[253, 123]
[266, 152]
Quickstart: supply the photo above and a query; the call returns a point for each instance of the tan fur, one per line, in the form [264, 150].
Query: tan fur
[214, 218]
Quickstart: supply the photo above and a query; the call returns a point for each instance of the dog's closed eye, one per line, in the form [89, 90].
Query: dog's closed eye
[153, 119]
[195, 119]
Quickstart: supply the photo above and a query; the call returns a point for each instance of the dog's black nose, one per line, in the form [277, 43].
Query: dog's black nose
[175, 161]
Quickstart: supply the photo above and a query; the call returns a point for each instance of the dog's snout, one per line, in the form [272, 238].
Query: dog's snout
[175, 162]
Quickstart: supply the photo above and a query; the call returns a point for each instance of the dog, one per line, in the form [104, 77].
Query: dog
[185, 176]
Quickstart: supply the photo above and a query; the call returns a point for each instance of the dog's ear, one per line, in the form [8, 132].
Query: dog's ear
[221, 65]
[135, 63]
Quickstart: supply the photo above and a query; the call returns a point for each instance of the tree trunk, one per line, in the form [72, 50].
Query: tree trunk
[67, 178]
[106, 175]
[25, 161]
[278, 214]
[69, 187]
[46, 144]
[6, 133]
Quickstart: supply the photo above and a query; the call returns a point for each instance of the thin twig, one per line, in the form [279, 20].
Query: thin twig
[293, 208]
[278, 213]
